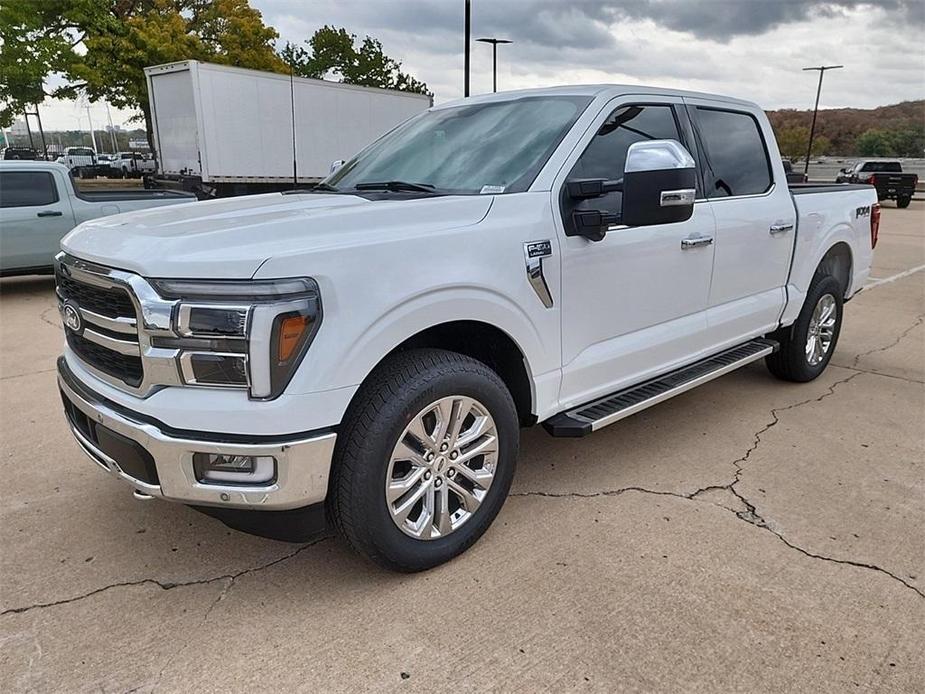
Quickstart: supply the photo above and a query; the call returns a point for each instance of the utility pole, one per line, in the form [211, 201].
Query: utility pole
[494, 59]
[812, 129]
[468, 34]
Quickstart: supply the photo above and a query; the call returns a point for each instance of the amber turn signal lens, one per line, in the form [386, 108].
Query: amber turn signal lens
[290, 334]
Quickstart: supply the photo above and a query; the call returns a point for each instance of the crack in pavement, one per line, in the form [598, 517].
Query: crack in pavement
[905, 333]
[880, 373]
[168, 585]
[751, 515]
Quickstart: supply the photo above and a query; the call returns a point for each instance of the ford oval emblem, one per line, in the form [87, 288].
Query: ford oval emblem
[72, 318]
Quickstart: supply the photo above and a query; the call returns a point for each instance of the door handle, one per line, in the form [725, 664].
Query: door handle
[696, 241]
[49, 213]
[780, 229]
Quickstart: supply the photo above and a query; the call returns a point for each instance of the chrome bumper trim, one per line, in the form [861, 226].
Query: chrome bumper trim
[303, 464]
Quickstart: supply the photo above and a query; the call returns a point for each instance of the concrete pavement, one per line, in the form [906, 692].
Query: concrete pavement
[748, 535]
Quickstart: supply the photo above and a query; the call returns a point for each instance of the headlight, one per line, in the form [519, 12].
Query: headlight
[242, 334]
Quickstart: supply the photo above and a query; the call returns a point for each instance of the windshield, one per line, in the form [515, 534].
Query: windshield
[494, 147]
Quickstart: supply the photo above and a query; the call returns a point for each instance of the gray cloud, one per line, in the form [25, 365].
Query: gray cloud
[586, 24]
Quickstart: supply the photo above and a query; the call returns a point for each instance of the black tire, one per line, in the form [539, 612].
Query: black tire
[903, 202]
[790, 362]
[394, 394]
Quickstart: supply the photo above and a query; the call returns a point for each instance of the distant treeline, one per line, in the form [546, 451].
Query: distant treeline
[886, 131]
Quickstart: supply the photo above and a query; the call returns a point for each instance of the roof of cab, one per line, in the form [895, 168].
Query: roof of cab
[593, 90]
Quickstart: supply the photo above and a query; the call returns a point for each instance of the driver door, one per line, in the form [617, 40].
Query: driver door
[633, 304]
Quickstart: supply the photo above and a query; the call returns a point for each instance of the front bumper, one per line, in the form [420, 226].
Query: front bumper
[158, 461]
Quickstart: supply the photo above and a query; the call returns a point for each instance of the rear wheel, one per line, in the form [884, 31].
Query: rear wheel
[903, 202]
[807, 346]
[424, 460]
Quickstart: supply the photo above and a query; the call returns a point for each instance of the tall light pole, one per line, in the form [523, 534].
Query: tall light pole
[812, 129]
[494, 59]
[468, 32]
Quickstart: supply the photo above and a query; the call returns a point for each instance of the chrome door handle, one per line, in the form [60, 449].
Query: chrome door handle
[780, 229]
[696, 242]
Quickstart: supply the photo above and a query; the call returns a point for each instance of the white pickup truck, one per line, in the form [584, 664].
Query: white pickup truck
[365, 352]
[39, 205]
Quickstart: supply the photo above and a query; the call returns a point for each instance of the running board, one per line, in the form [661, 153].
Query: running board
[582, 420]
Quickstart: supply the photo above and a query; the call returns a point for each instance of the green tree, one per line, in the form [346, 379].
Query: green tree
[874, 143]
[909, 142]
[793, 141]
[334, 53]
[100, 47]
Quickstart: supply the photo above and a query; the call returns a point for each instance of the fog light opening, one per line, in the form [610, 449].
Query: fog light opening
[223, 468]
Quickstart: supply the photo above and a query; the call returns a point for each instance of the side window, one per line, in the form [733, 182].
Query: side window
[735, 153]
[27, 189]
[606, 154]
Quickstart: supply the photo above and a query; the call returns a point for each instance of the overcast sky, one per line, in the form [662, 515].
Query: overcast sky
[747, 48]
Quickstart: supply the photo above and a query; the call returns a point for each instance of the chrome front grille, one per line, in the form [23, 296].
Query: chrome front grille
[110, 319]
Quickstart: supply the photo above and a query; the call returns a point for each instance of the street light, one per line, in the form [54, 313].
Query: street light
[812, 129]
[494, 59]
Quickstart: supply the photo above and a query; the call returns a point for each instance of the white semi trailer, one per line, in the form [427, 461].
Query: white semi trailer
[221, 130]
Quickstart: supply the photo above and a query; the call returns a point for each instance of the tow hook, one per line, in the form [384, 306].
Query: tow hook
[141, 496]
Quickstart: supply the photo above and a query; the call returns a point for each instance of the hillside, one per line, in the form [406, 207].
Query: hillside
[843, 126]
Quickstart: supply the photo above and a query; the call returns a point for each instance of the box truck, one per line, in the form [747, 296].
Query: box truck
[221, 130]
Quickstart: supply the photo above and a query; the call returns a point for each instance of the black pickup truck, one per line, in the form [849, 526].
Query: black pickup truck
[886, 176]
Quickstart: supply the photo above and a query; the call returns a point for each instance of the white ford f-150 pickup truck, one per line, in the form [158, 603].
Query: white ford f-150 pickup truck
[364, 353]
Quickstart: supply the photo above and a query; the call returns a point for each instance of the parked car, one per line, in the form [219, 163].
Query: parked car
[793, 176]
[131, 165]
[39, 205]
[18, 153]
[368, 350]
[81, 161]
[886, 176]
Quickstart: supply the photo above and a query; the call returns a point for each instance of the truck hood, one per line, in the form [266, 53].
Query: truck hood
[231, 238]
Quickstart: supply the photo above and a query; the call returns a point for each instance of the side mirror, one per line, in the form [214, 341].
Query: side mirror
[335, 165]
[659, 183]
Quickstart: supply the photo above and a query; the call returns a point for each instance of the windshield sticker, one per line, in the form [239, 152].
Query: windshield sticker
[491, 190]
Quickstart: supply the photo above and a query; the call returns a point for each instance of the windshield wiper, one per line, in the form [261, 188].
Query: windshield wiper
[397, 186]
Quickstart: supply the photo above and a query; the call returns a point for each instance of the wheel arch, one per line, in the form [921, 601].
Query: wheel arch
[486, 343]
[838, 261]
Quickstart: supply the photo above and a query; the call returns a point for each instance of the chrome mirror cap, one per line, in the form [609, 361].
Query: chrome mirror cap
[657, 155]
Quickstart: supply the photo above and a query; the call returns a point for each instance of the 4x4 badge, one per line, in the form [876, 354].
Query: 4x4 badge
[534, 252]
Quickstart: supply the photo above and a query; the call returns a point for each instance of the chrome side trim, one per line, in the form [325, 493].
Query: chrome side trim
[534, 252]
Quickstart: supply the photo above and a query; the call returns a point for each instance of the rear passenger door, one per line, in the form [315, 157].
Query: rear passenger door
[745, 185]
[33, 218]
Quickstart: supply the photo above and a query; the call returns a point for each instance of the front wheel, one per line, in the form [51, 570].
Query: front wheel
[807, 346]
[424, 460]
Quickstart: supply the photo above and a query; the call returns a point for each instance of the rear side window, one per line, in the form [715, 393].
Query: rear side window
[735, 153]
[27, 189]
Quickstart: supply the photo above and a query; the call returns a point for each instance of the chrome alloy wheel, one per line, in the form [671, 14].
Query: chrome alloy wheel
[821, 329]
[441, 467]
